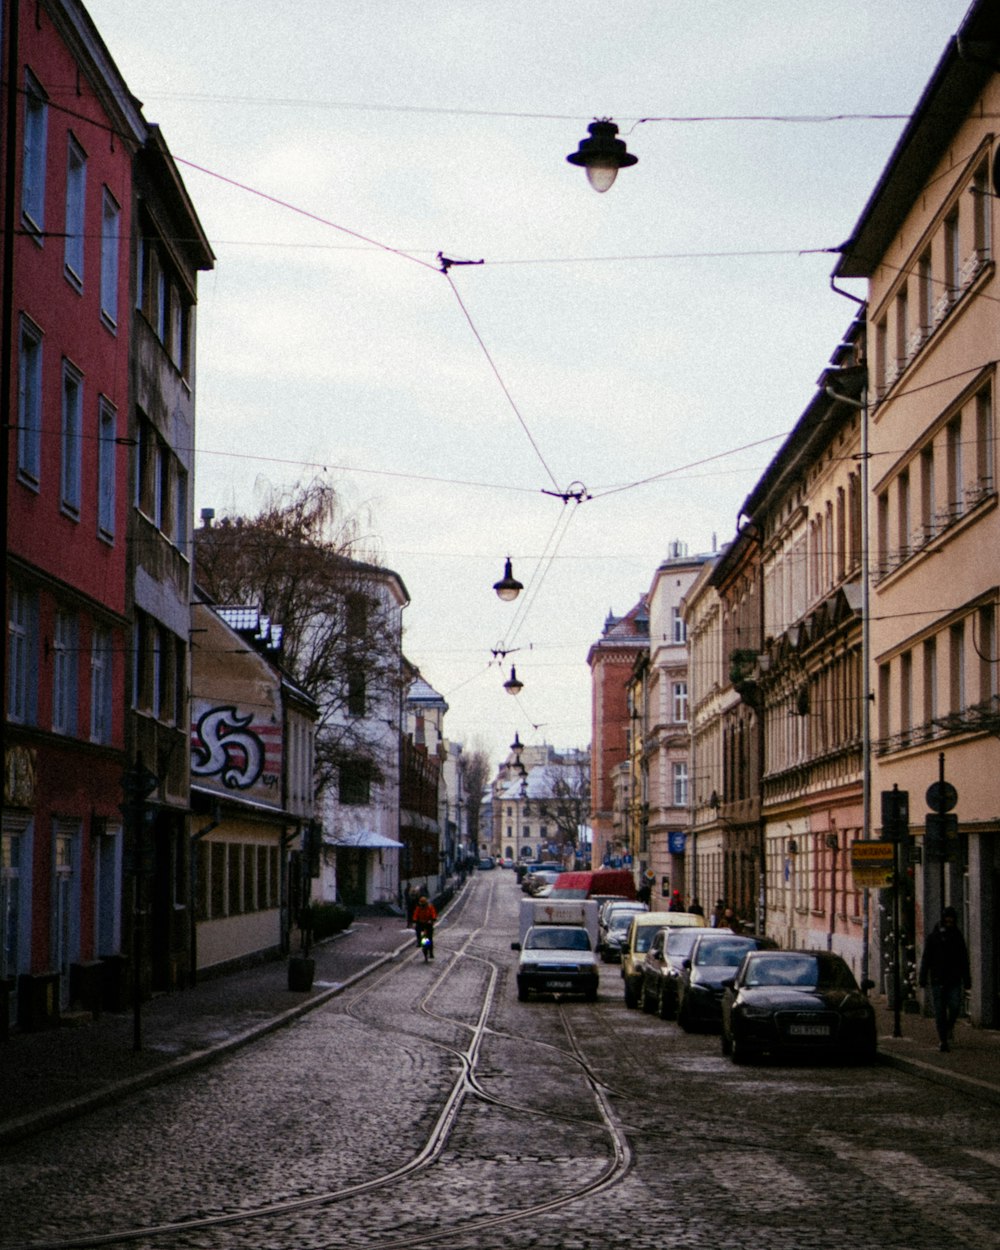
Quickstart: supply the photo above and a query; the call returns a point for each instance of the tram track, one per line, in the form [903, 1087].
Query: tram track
[467, 1084]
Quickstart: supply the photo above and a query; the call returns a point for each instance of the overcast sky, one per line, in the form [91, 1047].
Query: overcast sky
[650, 332]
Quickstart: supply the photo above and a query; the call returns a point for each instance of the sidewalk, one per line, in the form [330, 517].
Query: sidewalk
[50, 1076]
[54, 1074]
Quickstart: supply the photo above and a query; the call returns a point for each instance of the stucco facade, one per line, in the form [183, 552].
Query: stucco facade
[927, 244]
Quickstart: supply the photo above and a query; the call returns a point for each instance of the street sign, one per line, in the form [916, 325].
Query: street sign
[872, 864]
[940, 837]
[941, 797]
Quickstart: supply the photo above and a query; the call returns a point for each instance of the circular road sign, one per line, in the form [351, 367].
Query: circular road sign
[941, 797]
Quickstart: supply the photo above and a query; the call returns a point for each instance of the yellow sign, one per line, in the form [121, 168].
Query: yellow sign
[872, 864]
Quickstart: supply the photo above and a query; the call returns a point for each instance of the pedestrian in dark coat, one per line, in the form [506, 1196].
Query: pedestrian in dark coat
[945, 964]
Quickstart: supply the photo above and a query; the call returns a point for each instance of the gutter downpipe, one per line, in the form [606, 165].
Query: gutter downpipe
[866, 717]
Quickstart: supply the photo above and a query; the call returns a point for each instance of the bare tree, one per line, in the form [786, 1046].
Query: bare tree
[304, 562]
[475, 768]
[567, 805]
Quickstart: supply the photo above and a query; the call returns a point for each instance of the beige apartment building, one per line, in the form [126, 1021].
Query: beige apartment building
[927, 244]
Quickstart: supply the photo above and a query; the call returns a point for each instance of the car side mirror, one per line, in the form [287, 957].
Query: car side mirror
[515, 946]
[867, 984]
[729, 983]
[687, 963]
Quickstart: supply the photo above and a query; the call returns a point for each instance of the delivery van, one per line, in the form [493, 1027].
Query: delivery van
[606, 882]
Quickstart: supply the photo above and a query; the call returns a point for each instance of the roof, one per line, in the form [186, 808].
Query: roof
[251, 623]
[362, 839]
[423, 692]
[958, 79]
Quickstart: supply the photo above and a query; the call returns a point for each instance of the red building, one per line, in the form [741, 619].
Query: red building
[74, 128]
[611, 661]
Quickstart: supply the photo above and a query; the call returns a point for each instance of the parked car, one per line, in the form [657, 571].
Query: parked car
[615, 918]
[529, 870]
[661, 969]
[556, 959]
[507, 862]
[487, 862]
[712, 959]
[797, 1002]
[641, 931]
[535, 882]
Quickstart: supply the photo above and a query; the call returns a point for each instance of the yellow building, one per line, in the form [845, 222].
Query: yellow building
[927, 242]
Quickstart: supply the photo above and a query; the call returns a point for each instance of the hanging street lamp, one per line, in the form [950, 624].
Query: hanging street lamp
[508, 587]
[602, 155]
[512, 685]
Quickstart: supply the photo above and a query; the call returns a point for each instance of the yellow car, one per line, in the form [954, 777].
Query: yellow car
[640, 936]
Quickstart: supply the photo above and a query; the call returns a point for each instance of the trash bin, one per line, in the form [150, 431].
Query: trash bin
[38, 1000]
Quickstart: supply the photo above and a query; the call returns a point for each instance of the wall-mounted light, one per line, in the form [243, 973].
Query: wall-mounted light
[512, 685]
[508, 587]
[602, 155]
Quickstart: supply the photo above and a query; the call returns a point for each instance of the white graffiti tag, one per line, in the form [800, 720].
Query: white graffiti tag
[229, 750]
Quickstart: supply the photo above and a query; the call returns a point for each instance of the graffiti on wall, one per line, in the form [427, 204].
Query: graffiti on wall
[234, 752]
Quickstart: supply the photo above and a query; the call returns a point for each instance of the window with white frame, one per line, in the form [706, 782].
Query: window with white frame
[982, 195]
[76, 201]
[181, 505]
[952, 256]
[110, 244]
[679, 632]
[72, 432]
[36, 120]
[100, 685]
[64, 673]
[680, 701]
[986, 650]
[22, 656]
[925, 291]
[953, 450]
[29, 404]
[930, 681]
[680, 786]
[107, 458]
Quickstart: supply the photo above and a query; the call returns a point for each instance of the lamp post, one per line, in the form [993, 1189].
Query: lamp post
[513, 685]
[508, 587]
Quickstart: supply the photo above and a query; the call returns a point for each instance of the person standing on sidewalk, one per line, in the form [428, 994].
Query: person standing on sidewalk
[945, 963]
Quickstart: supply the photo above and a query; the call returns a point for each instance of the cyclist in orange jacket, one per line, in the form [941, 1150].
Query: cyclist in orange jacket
[424, 915]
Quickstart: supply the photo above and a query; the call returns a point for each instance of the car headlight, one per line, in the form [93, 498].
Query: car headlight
[859, 1012]
[753, 1013]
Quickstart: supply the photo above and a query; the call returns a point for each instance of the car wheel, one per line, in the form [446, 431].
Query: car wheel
[522, 993]
[631, 998]
[591, 995]
[662, 1007]
[648, 1002]
[726, 1043]
[684, 1018]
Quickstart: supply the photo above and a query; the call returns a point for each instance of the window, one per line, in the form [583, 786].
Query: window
[985, 451]
[902, 327]
[953, 445]
[905, 696]
[925, 290]
[110, 242]
[357, 615]
[100, 685]
[957, 678]
[680, 778]
[927, 494]
[29, 404]
[679, 628]
[36, 112]
[355, 783]
[22, 656]
[140, 647]
[930, 681]
[680, 701]
[356, 691]
[76, 200]
[952, 262]
[181, 504]
[882, 505]
[882, 356]
[72, 430]
[986, 650]
[903, 518]
[981, 202]
[64, 674]
[107, 459]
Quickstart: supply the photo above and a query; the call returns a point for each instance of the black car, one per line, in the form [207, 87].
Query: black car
[712, 959]
[661, 969]
[486, 863]
[797, 1003]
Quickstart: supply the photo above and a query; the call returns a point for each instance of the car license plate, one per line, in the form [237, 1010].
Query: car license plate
[809, 1030]
[559, 985]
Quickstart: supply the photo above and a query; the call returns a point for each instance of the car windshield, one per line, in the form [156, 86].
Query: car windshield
[784, 970]
[644, 936]
[619, 921]
[557, 939]
[680, 941]
[721, 952]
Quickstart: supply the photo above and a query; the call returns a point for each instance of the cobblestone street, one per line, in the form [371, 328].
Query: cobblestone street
[388, 1116]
